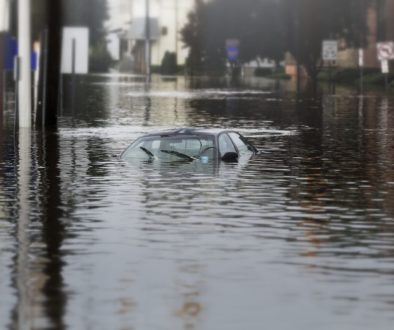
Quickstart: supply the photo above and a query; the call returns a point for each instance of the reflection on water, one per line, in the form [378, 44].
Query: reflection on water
[304, 230]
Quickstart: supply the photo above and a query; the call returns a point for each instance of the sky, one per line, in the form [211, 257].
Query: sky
[120, 12]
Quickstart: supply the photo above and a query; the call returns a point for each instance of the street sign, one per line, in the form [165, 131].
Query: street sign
[232, 49]
[385, 66]
[330, 50]
[11, 51]
[360, 57]
[75, 50]
[385, 50]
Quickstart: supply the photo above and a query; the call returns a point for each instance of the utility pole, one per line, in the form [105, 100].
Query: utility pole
[297, 46]
[147, 40]
[24, 67]
[4, 27]
[176, 29]
[48, 99]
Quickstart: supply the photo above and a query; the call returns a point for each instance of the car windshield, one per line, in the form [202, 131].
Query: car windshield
[171, 148]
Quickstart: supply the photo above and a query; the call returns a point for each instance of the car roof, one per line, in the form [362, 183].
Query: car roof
[189, 131]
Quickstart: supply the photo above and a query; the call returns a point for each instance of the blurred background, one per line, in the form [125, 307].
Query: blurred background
[299, 237]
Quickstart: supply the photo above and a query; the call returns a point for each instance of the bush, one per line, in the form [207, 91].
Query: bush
[272, 73]
[100, 60]
[168, 64]
[263, 72]
[378, 79]
[371, 76]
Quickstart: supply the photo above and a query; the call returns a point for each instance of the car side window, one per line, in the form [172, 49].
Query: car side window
[241, 145]
[225, 144]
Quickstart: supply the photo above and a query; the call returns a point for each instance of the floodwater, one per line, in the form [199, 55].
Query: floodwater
[300, 237]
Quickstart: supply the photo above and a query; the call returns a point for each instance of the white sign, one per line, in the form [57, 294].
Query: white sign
[113, 46]
[361, 57]
[330, 50]
[385, 66]
[75, 50]
[5, 15]
[385, 50]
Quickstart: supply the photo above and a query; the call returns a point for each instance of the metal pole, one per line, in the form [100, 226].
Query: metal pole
[2, 75]
[176, 30]
[54, 10]
[4, 27]
[73, 83]
[361, 80]
[23, 274]
[24, 47]
[361, 68]
[44, 76]
[297, 46]
[386, 82]
[147, 40]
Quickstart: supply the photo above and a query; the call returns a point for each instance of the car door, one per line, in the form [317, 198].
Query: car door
[239, 143]
[225, 145]
[245, 151]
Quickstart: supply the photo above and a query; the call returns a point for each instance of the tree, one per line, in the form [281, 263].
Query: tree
[309, 22]
[269, 28]
[192, 35]
[90, 13]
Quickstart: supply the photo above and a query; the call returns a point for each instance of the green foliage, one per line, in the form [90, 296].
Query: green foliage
[263, 72]
[100, 60]
[206, 54]
[351, 76]
[309, 22]
[378, 79]
[155, 69]
[89, 13]
[168, 64]
[269, 28]
[272, 73]
[39, 16]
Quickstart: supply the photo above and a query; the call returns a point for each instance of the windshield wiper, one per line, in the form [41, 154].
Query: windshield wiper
[149, 153]
[179, 154]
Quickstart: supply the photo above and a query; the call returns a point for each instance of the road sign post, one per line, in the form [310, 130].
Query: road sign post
[330, 50]
[385, 51]
[385, 71]
[329, 55]
[361, 68]
[75, 56]
[232, 51]
[24, 54]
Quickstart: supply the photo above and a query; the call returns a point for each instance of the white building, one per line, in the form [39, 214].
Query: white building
[171, 16]
[167, 18]
[4, 15]
[120, 13]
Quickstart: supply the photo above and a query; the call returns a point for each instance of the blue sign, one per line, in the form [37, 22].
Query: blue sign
[33, 59]
[232, 53]
[232, 49]
[11, 51]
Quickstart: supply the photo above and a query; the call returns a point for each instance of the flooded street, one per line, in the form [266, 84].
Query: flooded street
[299, 237]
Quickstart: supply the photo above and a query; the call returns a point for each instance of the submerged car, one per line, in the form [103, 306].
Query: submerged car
[186, 144]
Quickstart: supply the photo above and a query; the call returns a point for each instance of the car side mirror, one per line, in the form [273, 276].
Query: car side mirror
[231, 157]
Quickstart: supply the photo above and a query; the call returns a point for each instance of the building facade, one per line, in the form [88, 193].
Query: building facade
[167, 18]
[380, 28]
